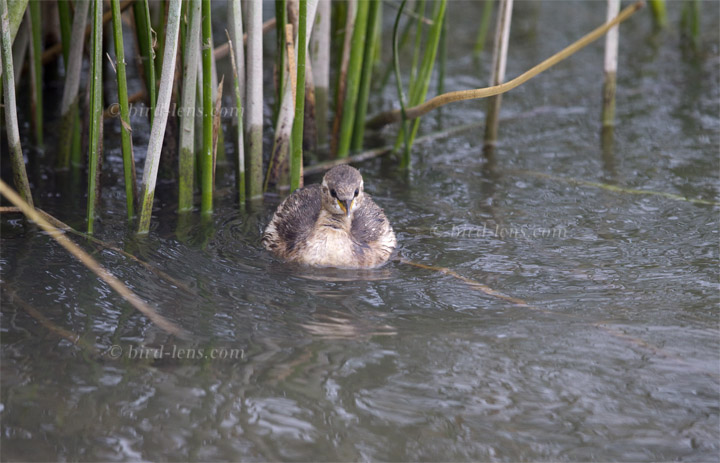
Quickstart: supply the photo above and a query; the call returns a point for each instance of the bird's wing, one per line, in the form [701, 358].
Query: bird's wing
[294, 219]
[369, 223]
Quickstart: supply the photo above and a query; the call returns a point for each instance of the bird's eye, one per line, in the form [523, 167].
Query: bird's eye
[333, 193]
[357, 191]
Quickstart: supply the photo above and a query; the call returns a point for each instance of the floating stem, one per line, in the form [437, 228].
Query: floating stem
[88, 261]
[417, 111]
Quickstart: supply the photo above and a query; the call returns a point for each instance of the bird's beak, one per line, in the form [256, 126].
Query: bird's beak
[345, 206]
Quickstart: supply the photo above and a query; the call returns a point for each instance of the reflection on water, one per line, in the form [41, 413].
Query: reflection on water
[614, 358]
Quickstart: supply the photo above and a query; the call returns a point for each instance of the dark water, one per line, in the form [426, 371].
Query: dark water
[616, 357]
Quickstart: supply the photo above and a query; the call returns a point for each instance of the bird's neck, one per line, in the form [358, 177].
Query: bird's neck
[334, 221]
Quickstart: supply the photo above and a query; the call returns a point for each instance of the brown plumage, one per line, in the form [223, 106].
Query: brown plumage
[334, 224]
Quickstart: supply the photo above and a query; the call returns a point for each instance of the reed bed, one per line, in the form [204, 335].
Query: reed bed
[164, 39]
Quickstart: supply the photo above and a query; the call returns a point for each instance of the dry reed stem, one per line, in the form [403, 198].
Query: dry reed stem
[59, 224]
[216, 125]
[221, 51]
[615, 188]
[56, 50]
[290, 48]
[90, 263]
[51, 326]
[637, 342]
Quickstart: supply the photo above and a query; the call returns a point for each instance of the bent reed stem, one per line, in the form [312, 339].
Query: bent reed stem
[90, 263]
[414, 112]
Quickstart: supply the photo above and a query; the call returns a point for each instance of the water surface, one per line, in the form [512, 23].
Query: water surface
[614, 357]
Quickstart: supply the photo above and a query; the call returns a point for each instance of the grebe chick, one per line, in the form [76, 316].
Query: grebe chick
[334, 224]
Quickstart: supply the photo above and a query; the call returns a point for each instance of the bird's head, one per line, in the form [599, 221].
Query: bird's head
[342, 188]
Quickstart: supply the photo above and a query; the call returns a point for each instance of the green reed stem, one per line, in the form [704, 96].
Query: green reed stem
[659, 12]
[352, 86]
[254, 100]
[358, 131]
[419, 90]
[348, 10]
[443, 59]
[404, 36]
[157, 132]
[690, 22]
[398, 82]
[141, 10]
[420, 85]
[484, 27]
[96, 114]
[206, 205]
[36, 69]
[65, 16]
[11, 123]
[16, 12]
[420, 14]
[296, 160]
[187, 116]
[125, 129]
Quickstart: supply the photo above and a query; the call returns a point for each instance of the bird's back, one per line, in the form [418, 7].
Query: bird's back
[293, 221]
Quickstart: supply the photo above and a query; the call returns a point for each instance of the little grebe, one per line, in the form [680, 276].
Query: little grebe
[334, 224]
